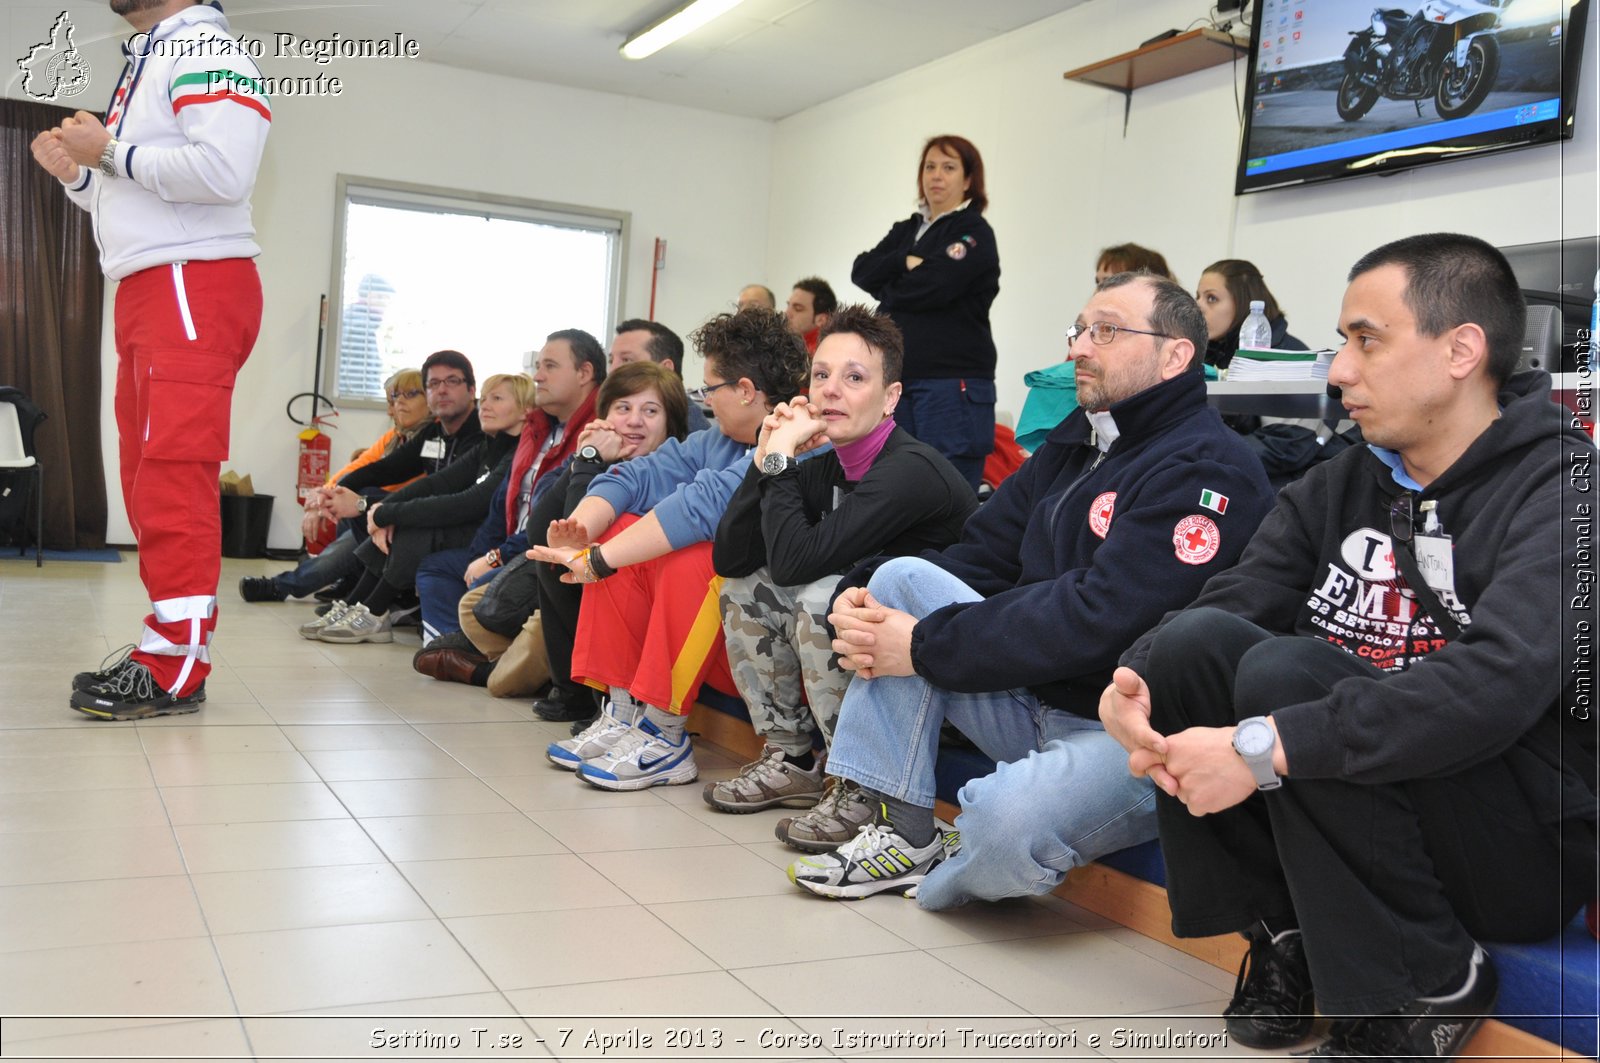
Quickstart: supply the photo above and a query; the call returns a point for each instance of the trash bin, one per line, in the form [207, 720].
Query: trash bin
[246, 519]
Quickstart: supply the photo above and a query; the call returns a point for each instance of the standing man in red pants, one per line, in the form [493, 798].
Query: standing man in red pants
[168, 177]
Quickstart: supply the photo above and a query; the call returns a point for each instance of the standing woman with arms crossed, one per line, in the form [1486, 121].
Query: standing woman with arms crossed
[936, 274]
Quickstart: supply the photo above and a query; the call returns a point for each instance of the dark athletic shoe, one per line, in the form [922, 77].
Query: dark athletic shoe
[1432, 1027]
[133, 695]
[260, 589]
[1273, 1005]
[108, 671]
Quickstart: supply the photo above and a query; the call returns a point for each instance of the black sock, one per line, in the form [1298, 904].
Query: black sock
[912, 822]
[364, 586]
[804, 761]
[480, 674]
[381, 597]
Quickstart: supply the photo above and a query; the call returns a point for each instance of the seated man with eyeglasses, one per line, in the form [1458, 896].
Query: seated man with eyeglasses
[1395, 663]
[1131, 503]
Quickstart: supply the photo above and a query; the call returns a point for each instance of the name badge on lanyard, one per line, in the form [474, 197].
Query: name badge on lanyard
[1435, 552]
[433, 449]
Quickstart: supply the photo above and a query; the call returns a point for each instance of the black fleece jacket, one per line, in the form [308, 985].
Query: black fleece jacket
[423, 455]
[1520, 528]
[942, 306]
[1080, 551]
[457, 494]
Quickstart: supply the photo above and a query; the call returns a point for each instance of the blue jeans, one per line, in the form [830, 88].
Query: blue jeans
[337, 560]
[441, 586]
[1060, 796]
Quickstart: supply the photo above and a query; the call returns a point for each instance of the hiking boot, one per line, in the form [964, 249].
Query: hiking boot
[110, 668]
[357, 624]
[134, 695]
[331, 615]
[876, 860]
[606, 730]
[767, 781]
[1435, 1027]
[1272, 1005]
[843, 811]
[641, 758]
[260, 589]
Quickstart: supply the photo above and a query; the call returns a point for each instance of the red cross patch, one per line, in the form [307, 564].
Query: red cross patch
[1196, 540]
[1100, 513]
[957, 250]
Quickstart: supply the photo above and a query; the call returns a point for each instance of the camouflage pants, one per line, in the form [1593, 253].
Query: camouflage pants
[782, 657]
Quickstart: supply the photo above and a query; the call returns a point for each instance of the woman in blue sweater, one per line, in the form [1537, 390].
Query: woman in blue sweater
[640, 541]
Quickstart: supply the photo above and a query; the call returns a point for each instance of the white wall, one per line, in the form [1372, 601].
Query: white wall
[1064, 181]
[697, 179]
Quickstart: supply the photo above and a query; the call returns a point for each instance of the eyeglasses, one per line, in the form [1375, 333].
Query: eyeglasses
[1103, 332]
[445, 382]
[1401, 521]
[702, 393]
[411, 393]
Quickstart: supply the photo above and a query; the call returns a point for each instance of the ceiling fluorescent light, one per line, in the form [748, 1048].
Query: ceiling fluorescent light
[675, 26]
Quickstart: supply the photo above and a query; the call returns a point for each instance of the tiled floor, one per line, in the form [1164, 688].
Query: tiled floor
[336, 845]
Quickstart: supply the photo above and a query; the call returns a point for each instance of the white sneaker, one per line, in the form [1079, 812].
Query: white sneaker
[358, 625]
[312, 628]
[876, 860]
[593, 741]
[642, 757]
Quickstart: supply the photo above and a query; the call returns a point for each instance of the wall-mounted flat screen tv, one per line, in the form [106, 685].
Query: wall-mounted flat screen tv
[1340, 88]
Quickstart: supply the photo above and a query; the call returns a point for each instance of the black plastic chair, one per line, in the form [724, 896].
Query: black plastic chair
[19, 417]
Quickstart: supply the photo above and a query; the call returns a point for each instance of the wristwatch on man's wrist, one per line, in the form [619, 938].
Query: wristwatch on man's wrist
[361, 504]
[1254, 740]
[108, 158]
[589, 452]
[776, 464]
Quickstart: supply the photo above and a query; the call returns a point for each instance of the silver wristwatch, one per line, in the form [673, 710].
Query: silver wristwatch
[773, 464]
[1254, 740]
[361, 504]
[108, 158]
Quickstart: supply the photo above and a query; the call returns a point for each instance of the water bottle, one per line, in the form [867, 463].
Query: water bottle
[1255, 334]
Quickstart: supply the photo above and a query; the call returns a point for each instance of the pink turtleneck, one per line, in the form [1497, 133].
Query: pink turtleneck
[858, 457]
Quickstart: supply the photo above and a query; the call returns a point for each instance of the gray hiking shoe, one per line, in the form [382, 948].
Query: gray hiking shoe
[843, 811]
[767, 781]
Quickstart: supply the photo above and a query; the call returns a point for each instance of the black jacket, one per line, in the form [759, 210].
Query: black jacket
[942, 306]
[1519, 529]
[1079, 552]
[423, 455]
[459, 493]
[811, 522]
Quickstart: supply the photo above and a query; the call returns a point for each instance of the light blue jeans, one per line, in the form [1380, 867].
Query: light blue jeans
[1060, 796]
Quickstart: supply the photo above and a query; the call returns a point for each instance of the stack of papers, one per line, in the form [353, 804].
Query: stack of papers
[1280, 365]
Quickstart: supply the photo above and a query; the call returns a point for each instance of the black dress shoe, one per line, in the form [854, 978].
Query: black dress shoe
[558, 709]
[1273, 1005]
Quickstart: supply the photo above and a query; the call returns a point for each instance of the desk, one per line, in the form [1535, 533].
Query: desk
[1275, 398]
[1310, 399]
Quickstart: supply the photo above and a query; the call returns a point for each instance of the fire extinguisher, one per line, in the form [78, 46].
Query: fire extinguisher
[316, 446]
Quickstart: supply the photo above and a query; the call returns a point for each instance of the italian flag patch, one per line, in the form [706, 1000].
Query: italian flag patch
[1217, 503]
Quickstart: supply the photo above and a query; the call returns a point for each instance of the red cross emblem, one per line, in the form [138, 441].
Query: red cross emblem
[1100, 511]
[1196, 540]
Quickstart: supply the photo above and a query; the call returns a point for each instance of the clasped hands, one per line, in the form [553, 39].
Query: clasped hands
[791, 429]
[77, 141]
[873, 639]
[1198, 765]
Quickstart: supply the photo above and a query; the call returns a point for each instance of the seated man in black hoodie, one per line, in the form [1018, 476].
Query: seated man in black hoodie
[1130, 505]
[1391, 662]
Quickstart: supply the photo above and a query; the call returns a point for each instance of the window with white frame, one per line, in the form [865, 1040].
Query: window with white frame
[417, 270]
